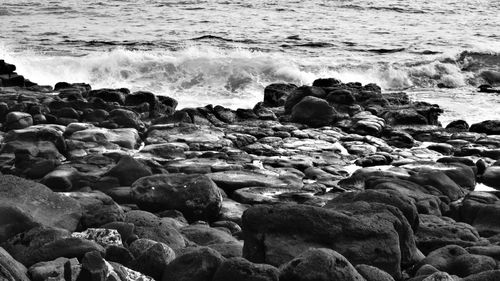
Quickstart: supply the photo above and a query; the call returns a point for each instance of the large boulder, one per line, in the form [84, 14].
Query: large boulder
[128, 170]
[301, 92]
[276, 234]
[25, 204]
[312, 111]
[489, 127]
[17, 120]
[276, 94]
[196, 196]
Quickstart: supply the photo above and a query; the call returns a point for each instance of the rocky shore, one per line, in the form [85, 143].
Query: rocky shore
[331, 181]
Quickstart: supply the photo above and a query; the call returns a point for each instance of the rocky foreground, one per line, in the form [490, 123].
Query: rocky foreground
[325, 182]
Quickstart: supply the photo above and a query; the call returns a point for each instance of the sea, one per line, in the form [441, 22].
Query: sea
[227, 51]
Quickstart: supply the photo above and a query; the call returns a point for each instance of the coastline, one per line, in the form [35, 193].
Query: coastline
[129, 182]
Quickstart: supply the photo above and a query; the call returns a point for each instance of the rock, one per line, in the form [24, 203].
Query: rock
[17, 120]
[126, 119]
[489, 127]
[455, 260]
[66, 247]
[458, 126]
[50, 269]
[320, 265]
[389, 197]
[276, 234]
[140, 246]
[198, 264]
[94, 268]
[166, 150]
[25, 204]
[6, 68]
[109, 95]
[269, 195]
[154, 260]
[204, 235]
[371, 273]
[128, 170]
[490, 275]
[233, 180]
[196, 196]
[439, 276]
[491, 177]
[481, 210]
[98, 208]
[299, 93]
[440, 181]
[276, 94]
[340, 96]
[243, 270]
[127, 274]
[197, 137]
[228, 250]
[10, 269]
[149, 226]
[435, 232]
[102, 236]
[119, 254]
[314, 112]
[125, 137]
[126, 230]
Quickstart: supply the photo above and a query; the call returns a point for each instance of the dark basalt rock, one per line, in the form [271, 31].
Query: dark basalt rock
[489, 127]
[314, 112]
[276, 94]
[298, 94]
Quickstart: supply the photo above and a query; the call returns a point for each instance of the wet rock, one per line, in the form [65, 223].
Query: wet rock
[196, 196]
[125, 137]
[440, 181]
[319, 264]
[481, 210]
[25, 204]
[313, 111]
[50, 269]
[119, 254]
[126, 119]
[490, 275]
[198, 264]
[299, 93]
[439, 276]
[197, 137]
[243, 270]
[228, 250]
[268, 195]
[94, 267]
[10, 269]
[165, 150]
[491, 177]
[458, 126]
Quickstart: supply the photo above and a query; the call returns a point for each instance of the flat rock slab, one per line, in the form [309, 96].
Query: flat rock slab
[24, 204]
[233, 180]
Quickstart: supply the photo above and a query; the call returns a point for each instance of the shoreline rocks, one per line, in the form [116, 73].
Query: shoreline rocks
[332, 180]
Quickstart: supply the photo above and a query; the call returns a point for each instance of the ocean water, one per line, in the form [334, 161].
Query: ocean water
[225, 52]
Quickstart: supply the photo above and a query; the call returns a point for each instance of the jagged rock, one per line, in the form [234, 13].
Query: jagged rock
[276, 94]
[102, 236]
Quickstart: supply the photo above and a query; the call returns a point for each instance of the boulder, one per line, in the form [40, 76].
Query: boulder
[489, 127]
[301, 92]
[196, 196]
[482, 211]
[371, 273]
[314, 112]
[153, 260]
[243, 270]
[276, 234]
[128, 170]
[198, 264]
[25, 204]
[491, 177]
[204, 235]
[17, 120]
[276, 94]
[319, 264]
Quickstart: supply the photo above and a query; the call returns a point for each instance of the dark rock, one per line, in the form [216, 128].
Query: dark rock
[489, 275]
[119, 254]
[243, 270]
[326, 82]
[198, 264]
[233, 180]
[128, 170]
[196, 196]
[12, 80]
[25, 204]
[436, 232]
[489, 127]
[6, 68]
[340, 96]
[17, 120]
[154, 260]
[276, 94]
[109, 95]
[491, 177]
[277, 234]
[481, 210]
[319, 265]
[149, 226]
[94, 268]
[50, 269]
[126, 119]
[313, 111]
[299, 93]
[458, 126]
